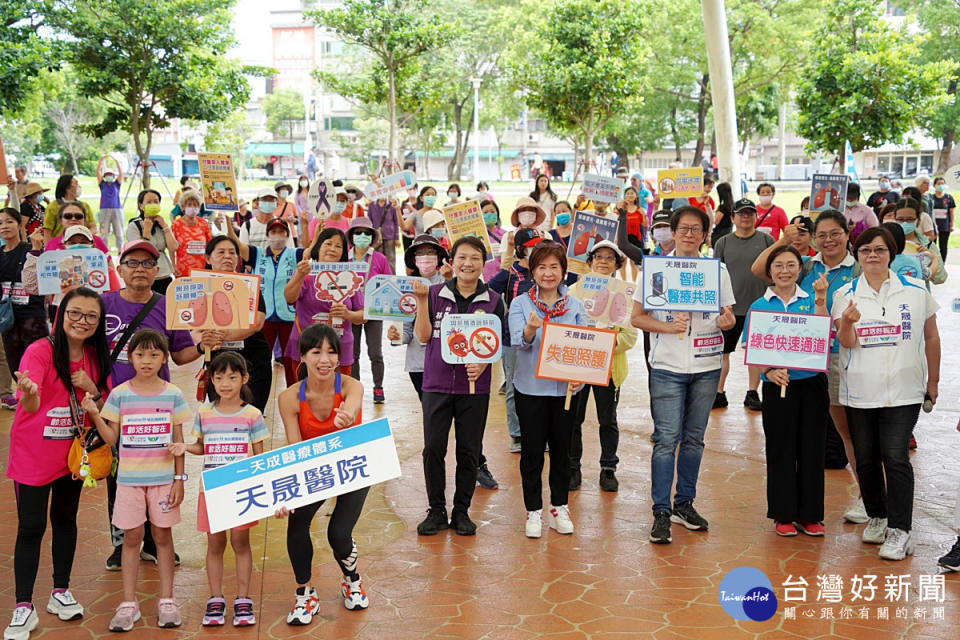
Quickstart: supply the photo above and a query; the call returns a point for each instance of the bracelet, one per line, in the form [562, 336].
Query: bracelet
[199, 347]
[98, 397]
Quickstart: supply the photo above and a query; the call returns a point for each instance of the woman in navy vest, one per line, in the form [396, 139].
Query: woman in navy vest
[446, 387]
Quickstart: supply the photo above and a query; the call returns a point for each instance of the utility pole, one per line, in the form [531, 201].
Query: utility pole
[721, 91]
[476, 129]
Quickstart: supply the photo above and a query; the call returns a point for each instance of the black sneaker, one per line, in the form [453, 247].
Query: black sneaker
[435, 521]
[752, 401]
[686, 515]
[462, 524]
[608, 480]
[952, 559]
[720, 402]
[115, 560]
[660, 533]
[149, 552]
[575, 479]
[485, 479]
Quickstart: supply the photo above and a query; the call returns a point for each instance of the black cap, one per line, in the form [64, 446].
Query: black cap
[660, 217]
[804, 221]
[744, 204]
[524, 235]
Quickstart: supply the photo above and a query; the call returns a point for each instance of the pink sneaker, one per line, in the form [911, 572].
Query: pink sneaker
[127, 614]
[168, 613]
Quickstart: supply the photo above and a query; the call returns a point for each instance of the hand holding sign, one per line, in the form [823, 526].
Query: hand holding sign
[303, 267]
[338, 310]
[474, 371]
[679, 324]
[393, 334]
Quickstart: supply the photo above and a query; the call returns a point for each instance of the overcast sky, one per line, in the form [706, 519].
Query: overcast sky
[251, 27]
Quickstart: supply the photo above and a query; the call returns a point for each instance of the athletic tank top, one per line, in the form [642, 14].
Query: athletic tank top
[310, 425]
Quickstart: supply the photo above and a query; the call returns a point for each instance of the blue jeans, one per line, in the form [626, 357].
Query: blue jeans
[509, 364]
[680, 404]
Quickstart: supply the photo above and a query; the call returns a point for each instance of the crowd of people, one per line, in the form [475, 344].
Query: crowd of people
[88, 363]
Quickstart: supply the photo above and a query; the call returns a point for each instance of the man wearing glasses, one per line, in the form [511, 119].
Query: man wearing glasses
[137, 305]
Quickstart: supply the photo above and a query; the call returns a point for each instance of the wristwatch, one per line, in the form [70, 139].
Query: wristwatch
[181, 476]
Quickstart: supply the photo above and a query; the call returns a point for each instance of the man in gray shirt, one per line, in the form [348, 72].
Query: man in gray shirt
[738, 250]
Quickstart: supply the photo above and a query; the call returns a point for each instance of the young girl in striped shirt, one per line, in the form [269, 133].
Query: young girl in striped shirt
[227, 429]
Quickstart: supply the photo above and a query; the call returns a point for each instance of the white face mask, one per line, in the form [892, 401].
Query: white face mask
[526, 218]
[277, 242]
[766, 200]
[427, 265]
[662, 235]
[191, 211]
[304, 183]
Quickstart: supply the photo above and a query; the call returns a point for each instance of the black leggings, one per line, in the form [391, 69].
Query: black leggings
[64, 499]
[339, 535]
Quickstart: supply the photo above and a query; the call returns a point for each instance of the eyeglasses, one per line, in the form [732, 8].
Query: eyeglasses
[872, 251]
[604, 258]
[72, 216]
[688, 231]
[833, 235]
[75, 315]
[133, 264]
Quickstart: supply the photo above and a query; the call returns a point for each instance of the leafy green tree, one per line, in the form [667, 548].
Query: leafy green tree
[395, 32]
[152, 61]
[940, 19]
[229, 135]
[583, 63]
[23, 52]
[283, 108]
[865, 81]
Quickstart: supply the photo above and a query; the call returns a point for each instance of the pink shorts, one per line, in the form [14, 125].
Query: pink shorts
[134, 503]
[203, 523]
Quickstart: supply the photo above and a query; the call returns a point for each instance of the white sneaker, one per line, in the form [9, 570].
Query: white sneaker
[64, 605]
[876, 531]
[305, 608]
[24, 621]
[856, 514]
[534, 524]
[899, 545]
[354, 597]
[559, 519]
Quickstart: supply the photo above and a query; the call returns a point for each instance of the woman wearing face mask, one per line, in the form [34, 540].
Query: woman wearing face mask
[528, 214]
[223, 254]
[434, 224]
[354, 207]
[886, 376]
[859, 216]
[771, 219]
[453, 194]
[491, 218]
[32, 207]
[563, 218]
[364, 239]
[408, 208]
[943, 208]
[336, 219]
[149, 225]
[287, 211]
[330, 245]
[67, 190]
[423, 260]
[545, 198]
[412, 221]
[907, 215]
[192, 233]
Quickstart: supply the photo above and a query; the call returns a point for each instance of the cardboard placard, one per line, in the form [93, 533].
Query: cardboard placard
[588, 230]
[602, 188]
[470, 338]
[218, 182]
[337, 281]
[607, 300]
[828, 191]
[466, 219]
[3, 165]
[787, 341]
[390, 298]
[80, 267]
[208, 302]
[300, 474]
[386, 186]
[672, 283]
[320, 197]
[680, 183]
[572, 353]
[252, 281]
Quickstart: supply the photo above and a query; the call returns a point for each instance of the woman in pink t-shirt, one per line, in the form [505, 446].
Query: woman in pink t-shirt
[40, 437]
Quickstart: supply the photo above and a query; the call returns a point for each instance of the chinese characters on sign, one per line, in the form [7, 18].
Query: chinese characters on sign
[681, 284]
[602, 188]
[680, 183]
[388, 185]
[337, 281]
[865, 597]
[208, 302]
[470, 338]
[607, 301]
[218, 182]
[576, 354]
[787, 340]
[466, 219]
[81, 267]
[828, 191]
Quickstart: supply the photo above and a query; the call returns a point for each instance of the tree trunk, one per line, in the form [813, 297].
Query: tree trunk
[702, 105]
[392, 112]
[946, 150]
[673, 133]
[588, 134]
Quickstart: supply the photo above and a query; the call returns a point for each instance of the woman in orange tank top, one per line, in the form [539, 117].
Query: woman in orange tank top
[322, 403]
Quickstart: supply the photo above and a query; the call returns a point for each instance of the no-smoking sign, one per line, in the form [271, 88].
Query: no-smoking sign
[97, 279]
[407, 303]
[484, 343]
[474, 338]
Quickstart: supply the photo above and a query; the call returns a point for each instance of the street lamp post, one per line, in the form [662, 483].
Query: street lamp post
[476, 129]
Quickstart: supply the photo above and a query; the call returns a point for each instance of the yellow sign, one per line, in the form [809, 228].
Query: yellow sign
[218, 182]
[466, 219]
[680, 183]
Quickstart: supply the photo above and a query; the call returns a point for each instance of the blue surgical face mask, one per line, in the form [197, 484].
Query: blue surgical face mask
[109, 178]
[339, 207]
[362, 240]
[429, 201]
[908, 227]
[267, 206]
[490, 219]
[884, 185]
[80, 246]
[563, 219]
[438, 232]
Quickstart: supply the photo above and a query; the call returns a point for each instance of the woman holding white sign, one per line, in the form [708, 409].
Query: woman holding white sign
[540, 402]
[890, 365]
[685, 358]
[795, 408]
[323, 391]
[364, 239]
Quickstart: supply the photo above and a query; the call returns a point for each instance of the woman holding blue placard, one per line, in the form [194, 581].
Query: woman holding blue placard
[795, 407]
[540, 402]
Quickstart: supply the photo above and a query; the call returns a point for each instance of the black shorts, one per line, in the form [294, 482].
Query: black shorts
[731, 337]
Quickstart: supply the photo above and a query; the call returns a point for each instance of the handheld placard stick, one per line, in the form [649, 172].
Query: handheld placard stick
[566, 401]
[783, 391]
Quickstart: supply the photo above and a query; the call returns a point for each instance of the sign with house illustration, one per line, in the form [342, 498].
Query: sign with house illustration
[390, 298]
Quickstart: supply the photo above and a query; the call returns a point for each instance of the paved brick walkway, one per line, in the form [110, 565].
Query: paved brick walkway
[605, 581]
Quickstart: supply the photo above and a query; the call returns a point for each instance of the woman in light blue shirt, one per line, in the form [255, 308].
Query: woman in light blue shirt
[543, 420]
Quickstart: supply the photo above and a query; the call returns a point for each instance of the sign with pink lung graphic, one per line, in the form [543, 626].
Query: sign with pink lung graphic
[607, 301]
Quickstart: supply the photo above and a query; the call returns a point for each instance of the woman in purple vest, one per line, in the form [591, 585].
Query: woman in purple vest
[446, 388]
